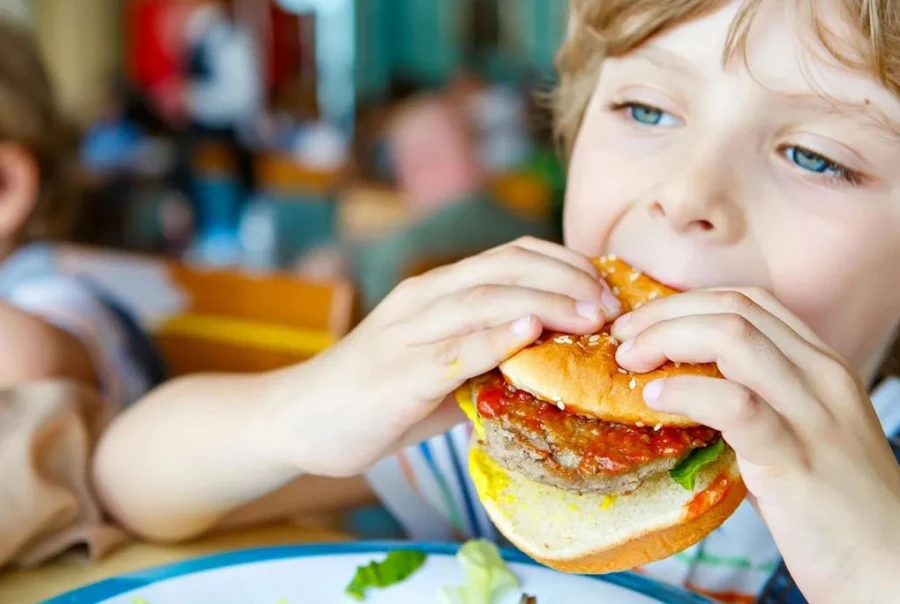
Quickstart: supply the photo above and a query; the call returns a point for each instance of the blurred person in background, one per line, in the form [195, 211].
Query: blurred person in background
[54, 327]
[437, 165]
[224, 93]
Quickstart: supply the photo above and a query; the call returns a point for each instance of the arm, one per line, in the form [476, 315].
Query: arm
[206, 451]
[33, 350]
[198, 453]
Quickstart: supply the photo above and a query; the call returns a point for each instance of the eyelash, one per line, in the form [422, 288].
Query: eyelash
[840, 174]
[624, 106]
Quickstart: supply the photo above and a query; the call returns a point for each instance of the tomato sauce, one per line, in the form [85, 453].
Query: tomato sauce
[708, 497]
[600, 447]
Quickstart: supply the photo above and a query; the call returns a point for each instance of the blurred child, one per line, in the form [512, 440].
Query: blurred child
[52, 326]
[742, 151]
[439, 174]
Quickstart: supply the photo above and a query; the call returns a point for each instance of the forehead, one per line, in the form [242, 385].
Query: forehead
[782, 52]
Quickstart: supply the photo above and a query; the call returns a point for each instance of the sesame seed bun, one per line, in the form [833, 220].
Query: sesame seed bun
[581, 371]
[593, 534]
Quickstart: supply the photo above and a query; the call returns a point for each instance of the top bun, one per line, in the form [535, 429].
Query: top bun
[581, 371]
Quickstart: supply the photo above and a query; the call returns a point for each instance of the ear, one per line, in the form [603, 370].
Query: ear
[19, 182]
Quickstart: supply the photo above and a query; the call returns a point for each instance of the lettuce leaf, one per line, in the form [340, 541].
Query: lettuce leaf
[397, 567]
[686, 472]
[487, 575]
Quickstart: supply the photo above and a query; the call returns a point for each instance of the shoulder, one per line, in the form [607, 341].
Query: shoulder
[67, 314]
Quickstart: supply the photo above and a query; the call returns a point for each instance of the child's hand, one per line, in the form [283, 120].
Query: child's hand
[810, 447]
[375, 390]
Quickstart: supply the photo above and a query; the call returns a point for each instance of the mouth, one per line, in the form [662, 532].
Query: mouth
[659, 277]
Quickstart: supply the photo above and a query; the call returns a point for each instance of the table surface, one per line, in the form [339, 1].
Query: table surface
[22, 587]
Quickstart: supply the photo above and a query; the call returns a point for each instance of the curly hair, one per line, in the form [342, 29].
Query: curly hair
[613, 28]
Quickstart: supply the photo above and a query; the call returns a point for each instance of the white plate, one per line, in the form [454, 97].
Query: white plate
[319, 573]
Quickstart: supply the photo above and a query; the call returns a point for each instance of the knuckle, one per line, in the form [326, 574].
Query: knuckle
[838, 375]
[446, 353]
[408, 284]
[478, 295]
[746, 406]
[738, 327]
[738, 302]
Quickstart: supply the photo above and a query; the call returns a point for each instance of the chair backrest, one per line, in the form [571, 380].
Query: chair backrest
[206, 320]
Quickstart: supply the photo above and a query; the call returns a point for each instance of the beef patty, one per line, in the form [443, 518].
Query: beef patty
[576, 453]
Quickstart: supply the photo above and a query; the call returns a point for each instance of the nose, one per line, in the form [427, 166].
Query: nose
[700, 199]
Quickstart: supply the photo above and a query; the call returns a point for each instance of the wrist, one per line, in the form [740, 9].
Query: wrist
[285, 396]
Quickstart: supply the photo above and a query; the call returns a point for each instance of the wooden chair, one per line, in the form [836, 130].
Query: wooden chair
[224, 320]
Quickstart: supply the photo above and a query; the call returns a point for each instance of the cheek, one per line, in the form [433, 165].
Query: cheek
[602, 183]
[842, 281]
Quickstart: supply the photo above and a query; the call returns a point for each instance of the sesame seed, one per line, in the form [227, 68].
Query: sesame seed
[632, 384]
[640, 424]
[635, 275]
[616, 291]
[612, 257]
[563, 340]
[657, 427]
[594, 339]
[561, 405]
[653, 295]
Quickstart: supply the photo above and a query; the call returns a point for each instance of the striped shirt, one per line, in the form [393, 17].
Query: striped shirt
[429, 491]
[31, 281]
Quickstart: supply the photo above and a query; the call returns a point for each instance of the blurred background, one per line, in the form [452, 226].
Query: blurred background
[351, 142]
[256, 175]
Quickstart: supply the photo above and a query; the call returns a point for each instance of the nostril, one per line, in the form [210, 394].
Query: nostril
[656, 209]
[704, 225]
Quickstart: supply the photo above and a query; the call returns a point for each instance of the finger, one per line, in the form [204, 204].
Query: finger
[564, 254]
[445, 365]
[748, 424]
[742, 353]
[511, 266]
[487, 306]
[794, 345]
[771, 304]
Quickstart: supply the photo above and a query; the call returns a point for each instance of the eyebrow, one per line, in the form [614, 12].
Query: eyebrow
[866, 113]
[666, 60]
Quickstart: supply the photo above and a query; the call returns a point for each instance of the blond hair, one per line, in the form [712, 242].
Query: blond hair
[30, 118]
[612, 28]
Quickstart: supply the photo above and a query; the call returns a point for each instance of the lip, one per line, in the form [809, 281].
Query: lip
[659, 278]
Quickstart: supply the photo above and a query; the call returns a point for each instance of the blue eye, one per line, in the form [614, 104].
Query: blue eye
[645, 115]
[649, 116]
[812, 162]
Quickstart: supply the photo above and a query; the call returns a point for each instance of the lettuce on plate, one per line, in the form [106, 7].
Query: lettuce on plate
[487, 576]
[397, 567]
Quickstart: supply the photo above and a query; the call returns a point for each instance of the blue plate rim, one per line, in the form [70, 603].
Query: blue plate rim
[116, 586]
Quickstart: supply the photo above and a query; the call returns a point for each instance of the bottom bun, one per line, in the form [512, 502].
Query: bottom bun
[594, 534]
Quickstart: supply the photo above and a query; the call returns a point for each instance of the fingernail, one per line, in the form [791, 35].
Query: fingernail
[621, 322]
[521, 326]
[588, 310]
[626, 346]
[610, 302]
[653, 392]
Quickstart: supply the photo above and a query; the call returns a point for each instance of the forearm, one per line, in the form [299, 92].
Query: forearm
[191, 453]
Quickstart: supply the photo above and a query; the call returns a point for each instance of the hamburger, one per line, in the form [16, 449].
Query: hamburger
[573, 467]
